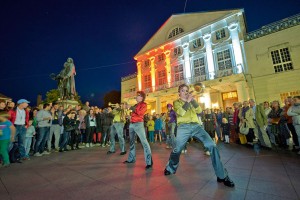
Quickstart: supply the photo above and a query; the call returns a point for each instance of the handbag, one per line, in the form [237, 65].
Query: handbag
[275, 120]
[244, 129]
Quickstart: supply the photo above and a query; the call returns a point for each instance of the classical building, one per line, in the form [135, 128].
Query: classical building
[215, 49]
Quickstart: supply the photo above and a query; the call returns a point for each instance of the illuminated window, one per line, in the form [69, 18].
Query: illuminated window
[175, 32]
[197, 43]
[220, 34]
[178, 51]
[224, 60]
[161, 77]
[147, 81]
[229, 95]
[284, 95]
[147, 63]
[199, 67]
[161, 57]
[281, 60]
[178, 73]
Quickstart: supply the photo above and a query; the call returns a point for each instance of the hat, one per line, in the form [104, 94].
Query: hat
[22, 101]
[169, 105]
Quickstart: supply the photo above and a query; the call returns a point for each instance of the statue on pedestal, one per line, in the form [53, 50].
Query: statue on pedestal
[66, 80]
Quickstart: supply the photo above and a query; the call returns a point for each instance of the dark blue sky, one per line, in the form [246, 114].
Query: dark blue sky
[36, 38]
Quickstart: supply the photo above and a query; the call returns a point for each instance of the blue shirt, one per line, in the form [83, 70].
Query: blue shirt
[5, 130]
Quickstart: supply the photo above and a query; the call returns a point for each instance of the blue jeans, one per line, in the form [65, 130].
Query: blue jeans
[20, 137]
[64, 140]
[43, 136]
[28, 142]
[171, 136]
[184, 132]
[138, 128]
[218, 131]
[117, 128]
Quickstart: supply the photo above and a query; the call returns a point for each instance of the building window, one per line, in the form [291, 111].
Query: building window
[147, 81]
[161, 57]
[220, 34]
[178, 73]
[177, 51]
[147, 63]
[199, 67]
[161, 77]
[224, 60]
[282, 60]
[284, 95]
[175, 32]
[197, 43]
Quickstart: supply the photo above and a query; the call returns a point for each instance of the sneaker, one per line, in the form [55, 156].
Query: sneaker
[227, 182]
[87, 145]
[46, 153]
[103, 145]
[185, 151]
[207, 153]
[91, 145]
[182, 151]
[38, 154]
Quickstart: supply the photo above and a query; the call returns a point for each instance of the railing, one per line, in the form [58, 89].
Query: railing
[274, 27]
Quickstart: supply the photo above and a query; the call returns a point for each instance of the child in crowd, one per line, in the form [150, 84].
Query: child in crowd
[7, 134]
[30, 132]
[158, 128]
[150, 126]
[226, 129]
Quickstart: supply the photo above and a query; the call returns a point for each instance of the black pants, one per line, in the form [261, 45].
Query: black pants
[89, 134]
[294, 134]
[75, 137]
[250, 136]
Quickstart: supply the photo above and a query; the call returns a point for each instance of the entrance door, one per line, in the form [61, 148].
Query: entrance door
[229, 98]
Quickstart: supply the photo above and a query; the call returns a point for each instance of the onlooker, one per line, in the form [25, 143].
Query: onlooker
[150, 126]
[294, 111]
[55, 128]
[19, 117]
[30, 132]
[246, 116]
[7, 134]
[44, 119]
[158, 128]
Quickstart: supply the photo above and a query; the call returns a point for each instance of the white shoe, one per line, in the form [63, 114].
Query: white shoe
[37, 154]
[185, 151]
[207, 153]
[91, 145]
[182, 151]
[87, 145]
[46, 153]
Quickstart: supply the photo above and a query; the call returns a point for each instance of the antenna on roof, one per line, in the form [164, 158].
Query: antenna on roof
[184, 6]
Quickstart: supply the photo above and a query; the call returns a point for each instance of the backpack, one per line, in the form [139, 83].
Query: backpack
[14, 153]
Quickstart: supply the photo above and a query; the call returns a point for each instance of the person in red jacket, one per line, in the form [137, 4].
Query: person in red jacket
[19, 116]
[137, 127]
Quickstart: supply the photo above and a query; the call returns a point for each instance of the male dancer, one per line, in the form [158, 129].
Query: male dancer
[119, 120]
[137, 127]
[188, 126]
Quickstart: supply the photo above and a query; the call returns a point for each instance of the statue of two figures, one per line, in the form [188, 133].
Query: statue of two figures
[66, 80]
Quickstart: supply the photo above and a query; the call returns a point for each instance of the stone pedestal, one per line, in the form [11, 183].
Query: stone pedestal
[66, 103]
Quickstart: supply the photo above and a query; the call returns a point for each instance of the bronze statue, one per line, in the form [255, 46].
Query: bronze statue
[66, 80]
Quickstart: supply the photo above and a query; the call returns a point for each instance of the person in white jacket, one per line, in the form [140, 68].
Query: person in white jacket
[294, 111]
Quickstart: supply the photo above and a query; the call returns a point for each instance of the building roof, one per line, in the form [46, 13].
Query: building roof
[190, 22]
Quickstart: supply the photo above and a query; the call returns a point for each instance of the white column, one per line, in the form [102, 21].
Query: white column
[168, 67]
[158, 105]
[152, 73]
[139, 75]
[187, 65]
[209, 56]
[242, 91]
[233, 28]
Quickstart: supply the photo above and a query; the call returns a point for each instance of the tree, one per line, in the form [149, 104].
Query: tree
[112, 96]
[52, 96]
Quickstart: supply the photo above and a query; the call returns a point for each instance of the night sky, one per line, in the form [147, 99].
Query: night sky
[36, 38]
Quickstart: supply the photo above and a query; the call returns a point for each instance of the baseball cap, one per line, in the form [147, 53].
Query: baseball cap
[22, 101]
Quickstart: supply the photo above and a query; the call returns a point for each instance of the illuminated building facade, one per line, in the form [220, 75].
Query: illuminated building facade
[208, 47]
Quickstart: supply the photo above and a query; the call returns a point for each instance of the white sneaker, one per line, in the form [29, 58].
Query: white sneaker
[91, 145]
[46, 153]
[182, 151]
[185, 151]
[207, 153]
[37, 154]
[87, 145]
